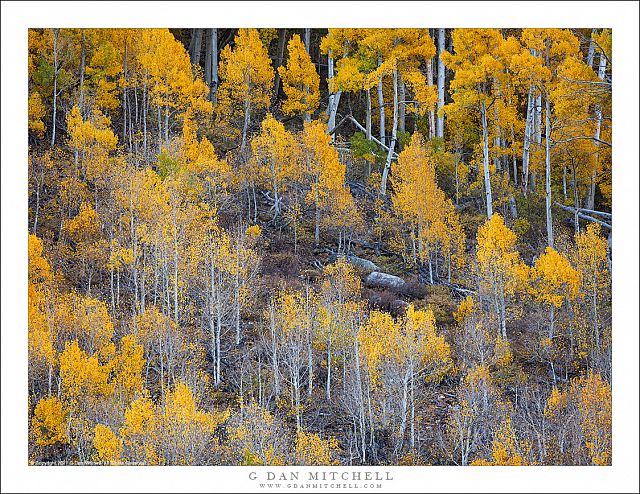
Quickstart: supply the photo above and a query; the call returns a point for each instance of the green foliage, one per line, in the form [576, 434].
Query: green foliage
[167, 166]
[361, 147]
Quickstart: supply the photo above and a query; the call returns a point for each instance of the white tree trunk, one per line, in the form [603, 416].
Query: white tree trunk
[213, 86]
[591, 198]
[548, 171]
[55, 86]
[381, 105]
[334, 98]
[441, 81]
[394, 132]
[485, 155]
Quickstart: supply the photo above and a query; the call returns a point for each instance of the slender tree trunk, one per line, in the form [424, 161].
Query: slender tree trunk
[215, 80]
[245, 125]
[82, 64]
[394, 132]
[432, 115]
[211, 63]
[485, 154]
[538, 131]
[307, 39]
[208, 58]
[413, 411]
[317, 227]
[55, 86]
[195, 46]
[592, 49]
[591, 198]
[334, 97]
[441, 82]
[548, 171]
[527, 142]
[145, 108]
[282, 37]
[576, 201]
[274, 349]
[513, 157]
[368, 117]
[329, 356]
[381, 105]
[401, 104]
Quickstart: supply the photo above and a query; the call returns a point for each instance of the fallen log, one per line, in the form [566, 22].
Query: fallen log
[585, 216]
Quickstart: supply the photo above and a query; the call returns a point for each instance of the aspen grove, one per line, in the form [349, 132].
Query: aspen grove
[320, 246]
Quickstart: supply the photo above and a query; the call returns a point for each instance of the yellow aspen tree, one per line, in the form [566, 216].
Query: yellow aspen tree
[322, 165]
[339, 295]
[84, 384]
[590, 259]
[108, 446]
[470, 426]
[256, 437]
[163, 345]
[82, 377]
[475, 66]
[87, 321]
[506, 449]
[42, 333]
[275, 152]
[127, 367]
[348, 73]
[247, 81]
[422, 205]
[312, 450]
[397, 51]
[395, 354]
[169, 82]
[49, 422]
[36, 113]
[187, 432]
[553, 282]
[140, 432]
[91, 139]
[500, 269]
[85, 231]
[552, 46]
[292, 316]
[595, 416]
[300, 81]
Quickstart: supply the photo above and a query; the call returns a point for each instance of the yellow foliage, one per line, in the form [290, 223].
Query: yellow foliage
[505, 449]
[82, 376]
[36, 114]
[594, 404]
[464, 309]
[127, 367]
[247, 81]
[39, 269]
[108, 446]
[49, 422]
[312, 450]
[554, 280]
[423, 205]
[300, 80]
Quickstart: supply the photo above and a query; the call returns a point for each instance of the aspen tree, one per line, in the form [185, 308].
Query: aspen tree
[500, 268]
[300, 81]
[275, 153]
[247, 82]
[475, 66]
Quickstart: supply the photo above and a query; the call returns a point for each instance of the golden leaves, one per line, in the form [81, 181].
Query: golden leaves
[554, 279]
[108, 446]
[312, 450]
[49, 422]
[300, 80]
